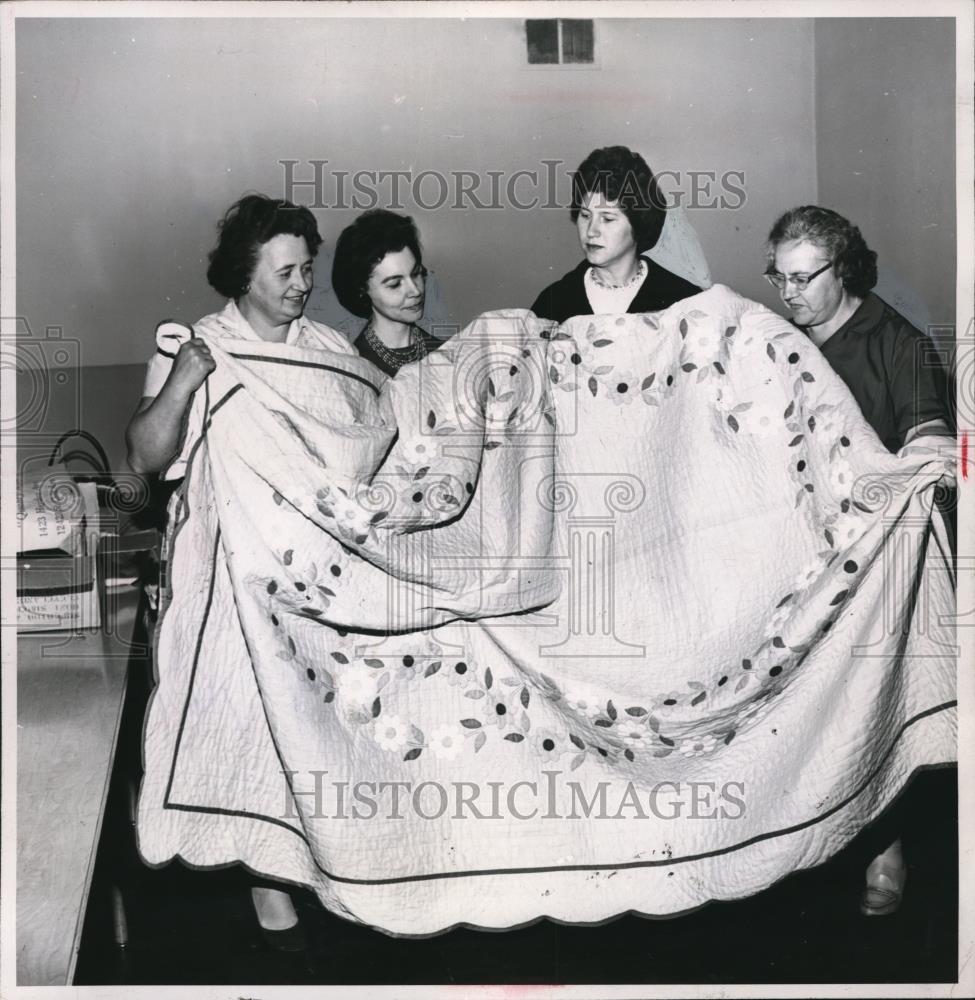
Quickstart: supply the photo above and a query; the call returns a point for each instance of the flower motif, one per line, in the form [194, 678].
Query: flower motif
[459, 673]
[499, 708]
[695, 745]
[562, 361]
[779, 618]
[600, 329]
[358, 687]
[622, 387]
[549, 746]
[324, 501]
[404, 665]
[446, 742]
[807, 575]
[847, 529]
[702, 343]
[632, 733]
[390, 732]
[841, 477]
[763, 661]
[656, 386]
[667, 702]
[586, 706]
[761, 419]
[420, 450]
[581, 364]
[595, 377]
[334, 503]
[351, 520]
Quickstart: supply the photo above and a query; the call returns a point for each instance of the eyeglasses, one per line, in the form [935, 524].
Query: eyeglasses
[800, 281]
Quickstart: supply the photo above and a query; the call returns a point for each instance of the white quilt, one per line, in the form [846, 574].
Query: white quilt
[630, 613]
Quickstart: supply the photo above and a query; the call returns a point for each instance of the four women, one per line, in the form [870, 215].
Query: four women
[816, 259]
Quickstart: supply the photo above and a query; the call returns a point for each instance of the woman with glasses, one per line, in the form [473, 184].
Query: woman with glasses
[824, 271]
[619, 213]
[378, 275]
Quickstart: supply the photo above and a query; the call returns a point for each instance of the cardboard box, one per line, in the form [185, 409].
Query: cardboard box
[57, 567]
[57, 591]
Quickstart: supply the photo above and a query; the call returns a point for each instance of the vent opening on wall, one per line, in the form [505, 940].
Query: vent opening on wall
[559, 41]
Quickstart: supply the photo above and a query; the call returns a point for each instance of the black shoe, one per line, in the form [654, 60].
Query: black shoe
[884, 891]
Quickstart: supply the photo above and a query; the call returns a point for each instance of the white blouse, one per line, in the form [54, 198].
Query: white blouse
[613, 300]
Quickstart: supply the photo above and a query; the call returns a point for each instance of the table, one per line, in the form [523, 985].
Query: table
[70, 695]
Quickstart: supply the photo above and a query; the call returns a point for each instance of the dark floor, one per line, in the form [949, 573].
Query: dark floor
[197, 927]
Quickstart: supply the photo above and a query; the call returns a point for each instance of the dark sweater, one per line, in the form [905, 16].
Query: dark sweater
[362, 345]
[891, 368]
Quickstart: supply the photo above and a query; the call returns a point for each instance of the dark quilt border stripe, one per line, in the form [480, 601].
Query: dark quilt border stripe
[196, 661]
[305, 364]
[619, 866]
[472, 873]
[292, 362]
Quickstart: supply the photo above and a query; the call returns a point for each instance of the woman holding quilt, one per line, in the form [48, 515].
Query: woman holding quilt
[263, 265]
[399, 597]
[824, 271]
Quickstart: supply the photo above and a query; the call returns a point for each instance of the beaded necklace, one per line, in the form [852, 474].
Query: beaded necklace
[396, 357]
[641, 273]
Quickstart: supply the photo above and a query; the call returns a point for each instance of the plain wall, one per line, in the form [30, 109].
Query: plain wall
[885, 151]
[98, 399]
[134, 136]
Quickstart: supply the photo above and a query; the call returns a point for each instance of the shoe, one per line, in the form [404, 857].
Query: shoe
[276, 905]
[884, 891]
[290, 939]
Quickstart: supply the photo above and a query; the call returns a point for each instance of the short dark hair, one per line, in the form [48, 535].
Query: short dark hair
[854, 262]
[621, 175]
[361, 247]
[246, 226]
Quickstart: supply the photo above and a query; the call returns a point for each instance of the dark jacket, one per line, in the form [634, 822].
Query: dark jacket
[567, 296]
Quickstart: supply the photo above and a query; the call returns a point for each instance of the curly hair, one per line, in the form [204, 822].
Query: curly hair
[361, 247]
[620, 175]
[247, 225]
[854, 262]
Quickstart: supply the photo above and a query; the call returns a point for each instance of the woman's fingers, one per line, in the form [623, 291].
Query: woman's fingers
[935, 447]
[195, 350]
[193, 363]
